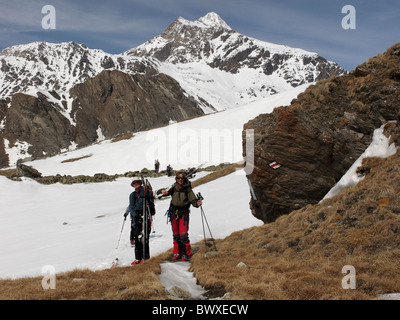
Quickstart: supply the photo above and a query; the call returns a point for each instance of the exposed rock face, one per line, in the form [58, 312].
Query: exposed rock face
[108, 104]
[320, 135]
[39, 123]
[116, 102]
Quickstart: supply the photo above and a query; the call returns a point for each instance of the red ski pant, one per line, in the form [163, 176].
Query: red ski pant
[180, 228]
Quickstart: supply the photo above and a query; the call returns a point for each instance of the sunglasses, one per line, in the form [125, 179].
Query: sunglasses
[180, 178]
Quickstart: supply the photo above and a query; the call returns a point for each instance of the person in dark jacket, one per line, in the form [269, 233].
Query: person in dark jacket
[135, 209]
[169, 170]
[182, 197]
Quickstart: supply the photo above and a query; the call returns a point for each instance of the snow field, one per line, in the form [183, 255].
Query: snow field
[78, 226]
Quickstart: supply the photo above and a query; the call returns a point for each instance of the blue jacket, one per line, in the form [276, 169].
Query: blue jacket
[136, 199]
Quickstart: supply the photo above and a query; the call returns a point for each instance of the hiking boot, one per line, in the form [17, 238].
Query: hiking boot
[176, 257]
[136, 262]
[185, 258]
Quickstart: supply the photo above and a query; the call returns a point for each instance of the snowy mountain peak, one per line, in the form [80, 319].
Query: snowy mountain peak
[212, 19]
[44, 66]
[210, 42]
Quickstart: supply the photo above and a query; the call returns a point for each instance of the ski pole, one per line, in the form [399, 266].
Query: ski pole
[209, 230]
[121, 232]
[203, 216]
[204, 231]
[200, 197]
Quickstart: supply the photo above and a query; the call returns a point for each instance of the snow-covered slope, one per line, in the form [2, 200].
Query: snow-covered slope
[215, 138]
[77, 226]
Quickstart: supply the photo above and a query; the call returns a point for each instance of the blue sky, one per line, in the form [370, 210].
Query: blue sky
[118, 25]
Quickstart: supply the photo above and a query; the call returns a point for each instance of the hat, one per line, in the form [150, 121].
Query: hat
[136, 179]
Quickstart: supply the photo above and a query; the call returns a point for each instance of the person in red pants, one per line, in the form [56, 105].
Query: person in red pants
[182, 197]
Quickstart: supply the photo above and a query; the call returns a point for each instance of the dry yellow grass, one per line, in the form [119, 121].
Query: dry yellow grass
[8, 172]
[301, 255]
[298, 257]
[139, 282]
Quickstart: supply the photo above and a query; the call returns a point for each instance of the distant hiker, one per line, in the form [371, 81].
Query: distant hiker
[182, 197]
[169, 170]
[157, 166]
[135, 208]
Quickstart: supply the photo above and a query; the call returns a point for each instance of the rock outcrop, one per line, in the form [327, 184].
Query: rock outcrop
[116, 102]
[37, 121]
[320, 135]
[111, 103]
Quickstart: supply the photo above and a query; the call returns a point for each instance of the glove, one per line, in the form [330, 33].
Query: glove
[126, 213]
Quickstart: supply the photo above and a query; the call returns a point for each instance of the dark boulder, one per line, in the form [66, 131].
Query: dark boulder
[320, 135]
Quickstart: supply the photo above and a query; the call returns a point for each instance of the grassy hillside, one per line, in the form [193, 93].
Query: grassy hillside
[301, 255]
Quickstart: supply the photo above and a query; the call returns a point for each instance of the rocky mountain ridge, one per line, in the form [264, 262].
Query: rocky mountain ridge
[211, 40]
[114, 102]
[55, 97]
[57, 67]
